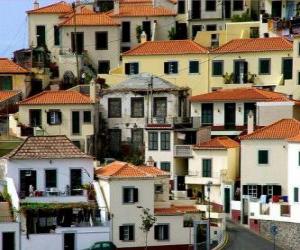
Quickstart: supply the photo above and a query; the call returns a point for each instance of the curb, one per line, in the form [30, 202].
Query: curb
[223, 243]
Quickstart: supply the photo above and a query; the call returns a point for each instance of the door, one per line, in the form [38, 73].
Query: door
[35, 117]
[276, 8]
[287, 68]
[229, 115]
[227, 9]
[181, 183]
[76, 182]
[240, 71]
[227, 200]
[8, 241]
[27, 179]
[196, 7]
[75, 122]
[40, 35]
[200, 236]
[69, 241]
[79, 42]
[147, 29]
[114, 142]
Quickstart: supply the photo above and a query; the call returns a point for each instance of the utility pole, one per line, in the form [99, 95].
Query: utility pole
[75, 41]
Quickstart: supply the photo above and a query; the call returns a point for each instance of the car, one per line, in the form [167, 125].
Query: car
[102, 245]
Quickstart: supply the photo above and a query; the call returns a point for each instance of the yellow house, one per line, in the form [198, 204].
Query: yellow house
[14, 77]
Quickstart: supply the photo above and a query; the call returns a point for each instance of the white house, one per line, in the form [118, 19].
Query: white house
[50, 182]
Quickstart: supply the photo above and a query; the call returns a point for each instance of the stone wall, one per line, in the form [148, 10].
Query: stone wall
[288, 233]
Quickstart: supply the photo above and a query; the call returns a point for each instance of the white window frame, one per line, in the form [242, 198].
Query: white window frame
[54, 119]
[252, 191]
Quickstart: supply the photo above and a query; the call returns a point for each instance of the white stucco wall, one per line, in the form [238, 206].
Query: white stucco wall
[10, 227]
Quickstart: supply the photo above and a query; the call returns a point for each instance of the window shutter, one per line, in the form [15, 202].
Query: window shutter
[125, 195]
[265, 189]
[121, 232]
[127, 68]
[296, 194]
[245, 190]
[156, 232]
[136, 68]
[131, 232]
[59, 117]
[166, 232]
[136, 195]
[276, 190]
[175, 67]
[49, 117]
[166, 68]
[258, 191]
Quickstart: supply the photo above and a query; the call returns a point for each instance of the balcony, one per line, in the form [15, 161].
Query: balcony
[174, 122]
[195, 177]
[183, 151]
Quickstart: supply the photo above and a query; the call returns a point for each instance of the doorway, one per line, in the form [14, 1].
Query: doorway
[201, 235]
[196, 9]
[8, 240]
[147, 29]
[276, 8]
[69, 241]
[27, 178]
[240, 71]
[76, 181]
[227, 9]
[79, 45]
[227, 200]
[229, 115]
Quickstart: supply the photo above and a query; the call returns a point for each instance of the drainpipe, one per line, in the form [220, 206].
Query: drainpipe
[209, 74]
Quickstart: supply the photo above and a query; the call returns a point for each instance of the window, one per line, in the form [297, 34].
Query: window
[287, 68]
[51, 176]
[158, 188]
[137, 138]
[125, 32]
[56, 35]
[264, 66]
[114, 146]
[299, 49]
[35, 117]
[194, 67]
[161, 232]
[132, 68]
[76, 181]
[171, 67]
[298, 77]
[77, 144]
[137, 107]
[195, 29]
[130, 195]
[211, 27]
[238, 5]
[217, 68]
[54, 117]
[165, 141]
[114, 107]
[263, 156]
[6, 83]
[296, 194]
[210, 5]
[181, 6]
[40, 35]
[87, 116]
[126, 232]
[75, 122]
[146, 26]
[160, 107]
[252, 191]
[254, 32]
[153, 140]
[247, 108]
[165, 166]
[101, 40]
[207, 110]
[103, 67]
[206, 168]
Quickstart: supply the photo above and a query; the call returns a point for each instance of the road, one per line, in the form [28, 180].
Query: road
[241, 238]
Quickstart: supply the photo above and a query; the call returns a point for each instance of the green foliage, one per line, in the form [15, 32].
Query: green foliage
[172, 33]
[228, 78]
[5, 195]
[245, 17]
[138, 31]
[148, 220]
[136, 158]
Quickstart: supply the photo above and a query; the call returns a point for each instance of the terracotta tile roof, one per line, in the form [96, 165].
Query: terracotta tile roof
[175, 210]
[255, 45]
[133, 10]
[240, 94]
[4, 95]
[218, 143]
[9, 67]
[285, 129]
[90, 20]
[46, 147]
[168, 47]
[57, 97]
[118, 169]
[56, 8]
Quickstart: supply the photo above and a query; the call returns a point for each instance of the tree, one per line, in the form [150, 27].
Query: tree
[148, 220]
[172, 33]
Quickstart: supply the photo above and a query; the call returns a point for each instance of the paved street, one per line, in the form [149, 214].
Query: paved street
[242, 239]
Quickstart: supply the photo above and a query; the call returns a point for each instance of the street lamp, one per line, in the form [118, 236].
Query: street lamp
[209, 184]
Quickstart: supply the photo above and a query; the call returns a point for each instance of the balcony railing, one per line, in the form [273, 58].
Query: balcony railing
[184, 151]
[192, 122]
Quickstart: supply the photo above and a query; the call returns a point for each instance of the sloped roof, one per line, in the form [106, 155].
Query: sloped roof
[46, 147]
[218, 143]
[134, 10]
[57, 97]
[284, 129]
[56, 8]
[9, 67]
[255, 45]
[240, 94]
[167, 47]
[90, 19]
[175, 210]
[118, 169]
[5, 95]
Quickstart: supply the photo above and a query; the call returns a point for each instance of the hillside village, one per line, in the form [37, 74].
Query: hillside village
[152, 124]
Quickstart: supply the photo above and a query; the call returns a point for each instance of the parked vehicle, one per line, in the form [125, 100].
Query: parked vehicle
[104, 245]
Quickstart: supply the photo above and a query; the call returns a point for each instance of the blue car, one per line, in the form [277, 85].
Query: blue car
[102, 245]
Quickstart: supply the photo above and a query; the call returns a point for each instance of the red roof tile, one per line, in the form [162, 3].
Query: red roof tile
[120, 169]
[218, 143]
[57, 97]
[9, 67]
[168, 47]
[133, 10]
[90, 20]
[175, 210]
[255, 45]
[285, 129]
[56, 8]
[4, 95]
[240, 94]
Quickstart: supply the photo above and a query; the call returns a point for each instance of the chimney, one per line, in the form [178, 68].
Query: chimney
[143, 37]
[93, 91]
[150, 162]
[36, 5]
[203, 135]
[116, 7]
[250, 123]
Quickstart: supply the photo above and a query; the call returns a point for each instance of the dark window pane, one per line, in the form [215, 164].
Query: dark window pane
[287, 68]
[207, 113]
[125, 32]
[101, 41]
[238, 5]
[6, 83]
[195, 29]
[137, 137]
[211, 27]
[181, 7]
[264, 66]
[41, 35]
[263, 156]
[217, 68]
[206, 168]
[35, 117]
[56, 35]
[8, 241]
[131, 68]
[76, 181]
[87, 117]
[137, 107]
[103, 67]
[114, 107]
[165, 140]
[210, 5]
[153, 140]
[296, 194]
[165, 166]
[51, 180]
[75, 122]
[160, 107]
[194, 67]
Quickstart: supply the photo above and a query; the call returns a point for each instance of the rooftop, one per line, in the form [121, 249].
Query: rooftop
[218, 143]
[284, 129]
[5, 95]
[118, 169]
[167, 47]
[56, 8]
[90, 19]
[9, 67]
[255, 45]
[134, 10]
[240, 94]
[175, 210]
[46, 147]
[57, 97]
